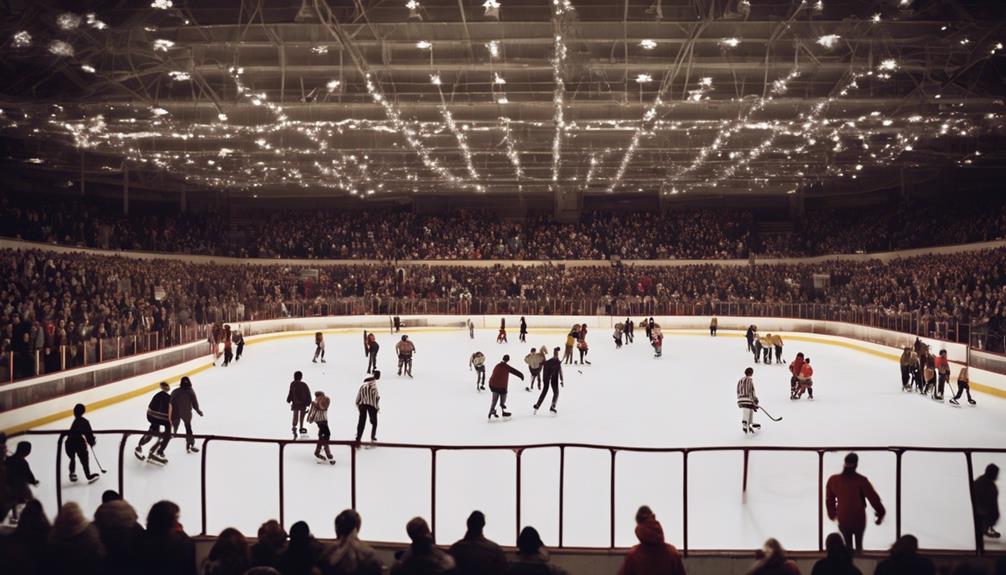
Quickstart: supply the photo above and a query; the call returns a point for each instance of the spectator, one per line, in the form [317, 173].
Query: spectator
[474, 554]
[652, 556]
[302, 553]
[422, 558]
[165, 549]
[270, 545]
[845, 499]
[348, 555]
[229, 555]
[838, 560]
[986, 504]
[74, 545]
[110, 495]
[771, 560]
[120, 534]
[532, 558]
[904, 559]
[23, 552]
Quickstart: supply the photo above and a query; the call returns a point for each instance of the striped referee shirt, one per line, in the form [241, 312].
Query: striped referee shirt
[746, 392]
[368, 393]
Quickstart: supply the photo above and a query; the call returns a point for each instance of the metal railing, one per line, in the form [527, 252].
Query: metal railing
[518, 451]
[15, 366]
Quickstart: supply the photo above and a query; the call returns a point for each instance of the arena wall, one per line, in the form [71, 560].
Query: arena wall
[38, 401]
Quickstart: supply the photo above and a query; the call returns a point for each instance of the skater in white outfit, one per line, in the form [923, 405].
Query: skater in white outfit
[747, 401]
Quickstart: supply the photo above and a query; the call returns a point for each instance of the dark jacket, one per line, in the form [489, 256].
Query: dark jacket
[183, 402]
[120, 534]
[427, 562]
[500, 378]
[846, 497]
[476, 555]
[265, 555]
[552, 368]
[300, 557]
[350, 556]
[167, 554]
[537, 564]
[986, 499]
[299, 396]
[911, 564]
[834, 566]
[157, 409]
[74, 554]
[80, 434]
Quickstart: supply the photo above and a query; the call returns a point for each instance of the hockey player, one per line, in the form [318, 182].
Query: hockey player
[501, 336]
[750, 336]
[523, 330]
[617, 335]
[943, 372]
[368, 403]
[916, 371]
[299, 398]
[766, 346]
[183, 403]
[905, 361]
[806, 379]
[478, 361]
[319, 347]
[405, 348]
[498, 383]
[713, 326]
[239, 342]
[747, 400]
[471, 329]
[777, 344]
[318, 415]
[159, 416]
[648, 324]
[629, 328]
[929, 374]
[228, 346]
[553, 379]
[963, 385]
[581, 345]
[794, 369]
[534, 361]
[78, 438]
[370, 349]
[567, 356]
[656, 340]
[757, 348]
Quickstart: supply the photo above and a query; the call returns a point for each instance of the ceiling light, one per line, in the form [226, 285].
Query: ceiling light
[68, 21]
[888, 64]
[413, 7]
[162, 45]
[332, 85]
[222, 117]
[179, 76]
[502, 100]
[647, 44]
[904, 3]
[87, 68]
[424, 45]
[93, 22]
[730, 42]
[706, 82]
[644, 78]
[494, 48]
[497, 79]
[435, 79]
[22, 39]
[875, 18]
[60, 48]
[320, 49]
[161, 4]
[492, 9]
[828, 40]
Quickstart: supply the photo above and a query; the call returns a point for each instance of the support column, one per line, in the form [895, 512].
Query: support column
[125, 189]
[568, 203]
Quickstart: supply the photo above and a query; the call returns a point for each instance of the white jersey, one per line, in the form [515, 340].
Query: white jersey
[746, 392]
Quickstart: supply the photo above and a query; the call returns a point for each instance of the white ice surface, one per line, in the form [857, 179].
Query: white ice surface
[627, 398]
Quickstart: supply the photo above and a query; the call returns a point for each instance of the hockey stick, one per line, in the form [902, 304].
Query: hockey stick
[767, 414]
[95, 456]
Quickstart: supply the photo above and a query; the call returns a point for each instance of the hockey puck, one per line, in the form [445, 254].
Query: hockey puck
[579, 371]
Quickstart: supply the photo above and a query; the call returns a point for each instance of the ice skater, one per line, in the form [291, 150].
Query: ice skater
[228, 346]
[747, 401]
[943, 373]
[567, 355]
[581, 346]
[656, 340]
[183, 403]
[213, 337]
[239, 342]
[757, 348]
[629, 327]
[370, 349]
[766, 346]
[78, 438]
[552, 370]
[498, 383]
[318, 415]
[617, 334]
[405, 348]
[368, 403]
[534, 361]
[478, 361]
[159, 418]
[523, 330]
[751, 335]
[806, 380]
[963, 386]
[794, 369]
[713, 326]
[846, 494]
[299, 398]
[929, 374]
[501, 336]
[777, 344]
[905, 362]
[471, 329]
[319, 347]
[20, 479]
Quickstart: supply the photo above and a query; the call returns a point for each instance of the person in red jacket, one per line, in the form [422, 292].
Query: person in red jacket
[652, 556]
[845, 498]
[498, 383]
[943, 371]
[794, 370]
[806, 379]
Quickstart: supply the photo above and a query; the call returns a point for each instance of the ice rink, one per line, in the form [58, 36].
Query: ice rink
[626, 398]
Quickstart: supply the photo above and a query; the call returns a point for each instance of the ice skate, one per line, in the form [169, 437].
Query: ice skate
[992, 533]
[954, 402]
[493, 414]
[972, 402]
[320, 458]
[506, 413]
[158, 458]
[138, 452]
[314, 361]
[534, 410]
[747, 430]
[527, 389]
[303, 432]
[755, 427]
[73, 477]
[191, 449]
[323, 360]
[553, 410]
[93, 477]
[294, 431]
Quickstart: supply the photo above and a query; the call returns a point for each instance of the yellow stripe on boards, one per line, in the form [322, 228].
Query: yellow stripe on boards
[990, 390]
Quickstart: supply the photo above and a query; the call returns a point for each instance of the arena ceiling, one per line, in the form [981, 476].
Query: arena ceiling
[392, 98]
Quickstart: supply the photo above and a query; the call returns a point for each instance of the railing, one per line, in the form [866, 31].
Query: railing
[48, 359]
[518, 451]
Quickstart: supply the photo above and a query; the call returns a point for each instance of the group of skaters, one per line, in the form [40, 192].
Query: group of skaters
[626, 330]
[225, 342]
[929, 374]
[767, 349]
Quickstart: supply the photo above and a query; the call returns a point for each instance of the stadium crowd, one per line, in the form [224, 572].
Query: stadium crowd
[51, 301]
[402, 235]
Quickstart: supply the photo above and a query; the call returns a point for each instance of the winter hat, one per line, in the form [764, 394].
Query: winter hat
[79, 409]
[115, 514]
[851, 461]
[506, 358]
[529, 542]
[418, 530]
